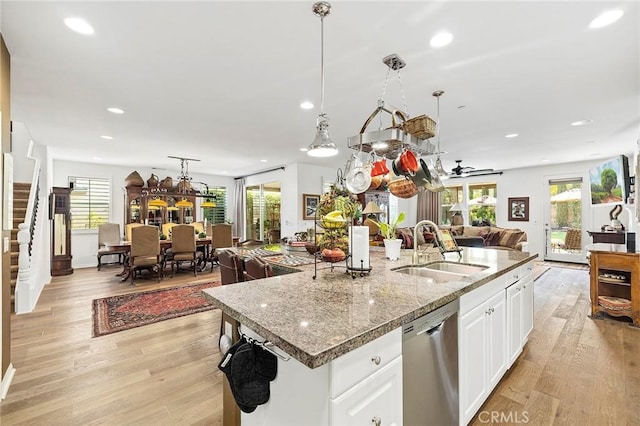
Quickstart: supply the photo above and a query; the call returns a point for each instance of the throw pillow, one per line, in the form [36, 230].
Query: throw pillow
[510, 238]
[491, 238]
[429, 237]
[407, 237]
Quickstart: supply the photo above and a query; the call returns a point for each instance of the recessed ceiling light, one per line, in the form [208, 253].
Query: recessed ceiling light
[441, 39]
[306, 105]
[97, 158]
[544, 160]
[462, 106]
[79, 25]
[304, 323]
[512, 135]
[606, 18]
[106, 137]
[224, 172]
[263, 161]
[115, 110]
[581, 122]
[304, 149]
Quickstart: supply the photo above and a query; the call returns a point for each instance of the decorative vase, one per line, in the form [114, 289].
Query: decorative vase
[392, 248]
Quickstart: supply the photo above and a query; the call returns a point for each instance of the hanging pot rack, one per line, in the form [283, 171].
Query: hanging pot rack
[391, 141]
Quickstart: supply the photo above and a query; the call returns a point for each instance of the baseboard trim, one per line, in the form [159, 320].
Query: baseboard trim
[6, 381]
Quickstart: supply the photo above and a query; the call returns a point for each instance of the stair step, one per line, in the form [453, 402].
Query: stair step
[21, 185]
[22, 202]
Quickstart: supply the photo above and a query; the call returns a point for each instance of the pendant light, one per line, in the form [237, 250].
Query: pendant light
[208, 201]
[438, 166]
[322, 145]
[157, 202]
[185, 178]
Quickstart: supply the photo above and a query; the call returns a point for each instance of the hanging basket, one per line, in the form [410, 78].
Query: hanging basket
[422, 126]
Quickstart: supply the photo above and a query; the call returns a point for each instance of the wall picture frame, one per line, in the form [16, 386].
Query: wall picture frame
[309, 205]
[519, 209]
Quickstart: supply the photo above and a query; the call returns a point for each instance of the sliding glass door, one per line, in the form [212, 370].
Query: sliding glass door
[263, 212]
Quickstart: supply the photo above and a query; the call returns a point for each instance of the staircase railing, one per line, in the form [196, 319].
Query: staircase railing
[26, 293]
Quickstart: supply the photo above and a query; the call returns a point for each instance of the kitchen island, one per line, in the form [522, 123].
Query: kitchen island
[323, 321]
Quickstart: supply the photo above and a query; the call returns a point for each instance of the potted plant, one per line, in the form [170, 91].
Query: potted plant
[392, 243]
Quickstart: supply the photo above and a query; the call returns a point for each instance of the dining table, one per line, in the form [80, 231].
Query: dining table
[164, 246]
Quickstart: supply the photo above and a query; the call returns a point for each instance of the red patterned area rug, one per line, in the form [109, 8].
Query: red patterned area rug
[126, 311]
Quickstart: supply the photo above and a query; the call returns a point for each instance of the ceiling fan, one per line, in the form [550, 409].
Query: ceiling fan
[463, 171]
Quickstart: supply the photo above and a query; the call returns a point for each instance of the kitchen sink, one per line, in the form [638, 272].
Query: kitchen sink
[431, 275]
[457, 268]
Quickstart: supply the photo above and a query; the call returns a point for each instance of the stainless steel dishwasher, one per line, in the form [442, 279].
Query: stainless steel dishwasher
[430, 368]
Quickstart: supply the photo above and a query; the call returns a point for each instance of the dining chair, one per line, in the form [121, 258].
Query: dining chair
[221, 238]
[128, 227]
[109, 233]
[199, 226]
[231, 272]
[145, 250]
[256, 268]
[166, 229]
[183, 247]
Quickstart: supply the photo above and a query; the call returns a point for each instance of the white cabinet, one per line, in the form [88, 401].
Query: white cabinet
[376, 400]
[482, 353]
[356, 388]
[519, 315]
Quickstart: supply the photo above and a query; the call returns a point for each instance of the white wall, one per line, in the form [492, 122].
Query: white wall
[84, 244]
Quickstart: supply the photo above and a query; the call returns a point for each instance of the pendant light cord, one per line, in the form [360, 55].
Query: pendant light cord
[322, 65]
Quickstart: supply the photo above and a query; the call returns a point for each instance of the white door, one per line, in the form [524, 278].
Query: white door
[566, 200]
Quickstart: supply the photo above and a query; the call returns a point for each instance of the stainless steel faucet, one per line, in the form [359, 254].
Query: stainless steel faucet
[415, 257]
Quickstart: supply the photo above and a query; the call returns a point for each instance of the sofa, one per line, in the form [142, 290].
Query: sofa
[468, 236]
[488, 236]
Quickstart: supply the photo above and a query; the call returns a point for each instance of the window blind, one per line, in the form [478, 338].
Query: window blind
[217, 214]
[90, 201]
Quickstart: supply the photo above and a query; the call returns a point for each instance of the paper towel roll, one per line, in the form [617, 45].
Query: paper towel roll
[359, 246]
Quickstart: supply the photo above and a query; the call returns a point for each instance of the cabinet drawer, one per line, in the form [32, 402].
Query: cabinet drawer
[360, 363]
[376, 400]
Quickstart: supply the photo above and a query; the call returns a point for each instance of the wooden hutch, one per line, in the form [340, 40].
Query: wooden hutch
[138, 210]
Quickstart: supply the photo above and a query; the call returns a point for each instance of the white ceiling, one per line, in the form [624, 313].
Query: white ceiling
[222, 81]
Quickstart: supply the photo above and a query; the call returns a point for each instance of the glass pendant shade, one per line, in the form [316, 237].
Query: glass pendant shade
[322, 146]
[208, 204]
[184, 203]
[440, 170]
[172, 209]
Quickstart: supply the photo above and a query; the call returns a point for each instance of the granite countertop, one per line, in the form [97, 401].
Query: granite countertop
[316, 321]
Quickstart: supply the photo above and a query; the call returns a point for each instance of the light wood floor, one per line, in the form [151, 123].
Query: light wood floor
[573, 370]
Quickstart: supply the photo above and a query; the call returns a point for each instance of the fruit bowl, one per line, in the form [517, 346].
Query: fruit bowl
[333, 224]
[332, 256]
[334, 259]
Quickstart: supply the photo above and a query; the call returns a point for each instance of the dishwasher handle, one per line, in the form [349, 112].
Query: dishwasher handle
[433, 330]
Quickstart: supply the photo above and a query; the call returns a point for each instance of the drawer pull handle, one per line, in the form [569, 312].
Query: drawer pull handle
[377, 421]
[376, 360]
[490, 311]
